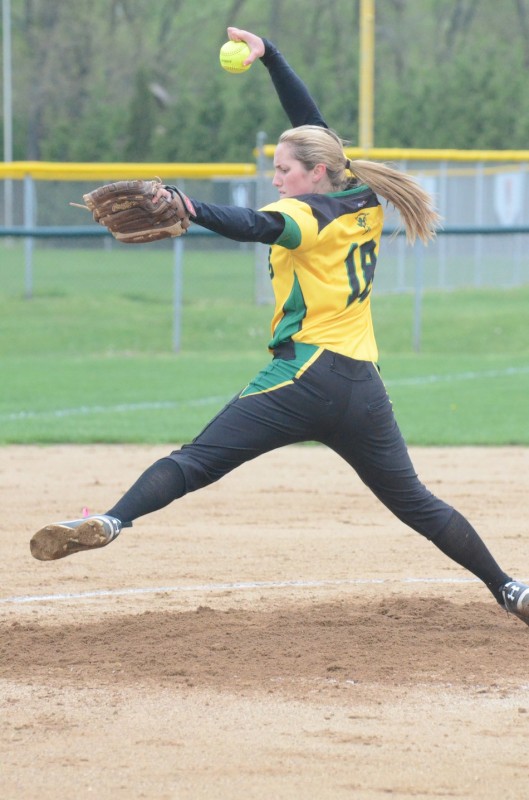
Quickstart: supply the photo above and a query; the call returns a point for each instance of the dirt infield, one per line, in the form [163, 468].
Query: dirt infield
[276, 635]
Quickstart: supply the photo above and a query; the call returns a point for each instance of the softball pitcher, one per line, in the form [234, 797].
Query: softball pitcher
[322, 383]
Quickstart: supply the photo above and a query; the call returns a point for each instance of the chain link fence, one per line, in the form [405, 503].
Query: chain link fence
[484, 202]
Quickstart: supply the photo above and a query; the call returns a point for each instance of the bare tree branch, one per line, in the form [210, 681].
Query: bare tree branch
[459, 22]
[523, 18]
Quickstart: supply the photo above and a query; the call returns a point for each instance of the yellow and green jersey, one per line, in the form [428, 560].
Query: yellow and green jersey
[322, 268]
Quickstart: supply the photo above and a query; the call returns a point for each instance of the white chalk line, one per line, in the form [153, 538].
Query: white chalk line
[424, 380]
[127, 408]
[121, 408]
[222, 587]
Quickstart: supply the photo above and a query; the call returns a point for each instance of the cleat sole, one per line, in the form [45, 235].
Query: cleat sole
[58, 541]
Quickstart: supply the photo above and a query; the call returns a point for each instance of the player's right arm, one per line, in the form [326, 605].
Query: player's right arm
[293, 94]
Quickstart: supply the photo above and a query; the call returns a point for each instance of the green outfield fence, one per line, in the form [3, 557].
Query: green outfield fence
[483, 197]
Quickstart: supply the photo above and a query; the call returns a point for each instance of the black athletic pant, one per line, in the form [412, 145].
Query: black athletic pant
[343, 404]
[339, 402]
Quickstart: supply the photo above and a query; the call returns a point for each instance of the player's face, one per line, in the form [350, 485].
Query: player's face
[291, 178]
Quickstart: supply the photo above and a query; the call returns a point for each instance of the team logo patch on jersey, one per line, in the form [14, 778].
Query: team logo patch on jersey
[363, 222]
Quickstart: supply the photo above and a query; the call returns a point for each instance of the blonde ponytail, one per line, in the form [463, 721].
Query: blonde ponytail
[412, 202]
[313, 145]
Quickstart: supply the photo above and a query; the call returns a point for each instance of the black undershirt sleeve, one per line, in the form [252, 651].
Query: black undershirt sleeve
[293, 95]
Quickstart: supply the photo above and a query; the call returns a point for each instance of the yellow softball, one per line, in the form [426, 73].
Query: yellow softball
[232, 54]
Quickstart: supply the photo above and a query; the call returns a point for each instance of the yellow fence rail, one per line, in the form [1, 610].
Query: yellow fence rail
[58, 171]
[50, 170]
[399, 154]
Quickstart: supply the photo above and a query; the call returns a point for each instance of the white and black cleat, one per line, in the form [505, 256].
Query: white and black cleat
[516, 599]
[61, 539]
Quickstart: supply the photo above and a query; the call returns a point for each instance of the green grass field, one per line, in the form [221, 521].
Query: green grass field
[89, 357]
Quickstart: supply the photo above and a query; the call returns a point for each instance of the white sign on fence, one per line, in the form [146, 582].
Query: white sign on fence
[508, 197]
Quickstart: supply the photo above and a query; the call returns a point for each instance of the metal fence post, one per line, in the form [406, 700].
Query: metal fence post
[178, 282]
[419, 281]
[443, 210]
[478, 221]
[7, 69]
[29, 224]
[263, 292]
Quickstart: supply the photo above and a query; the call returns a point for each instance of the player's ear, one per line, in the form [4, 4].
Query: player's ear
[319, 172]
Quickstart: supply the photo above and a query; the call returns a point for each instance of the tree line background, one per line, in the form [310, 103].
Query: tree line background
[137, 80]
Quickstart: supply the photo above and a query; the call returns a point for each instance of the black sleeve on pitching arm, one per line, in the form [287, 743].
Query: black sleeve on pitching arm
[292, 92]
[238, 223]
